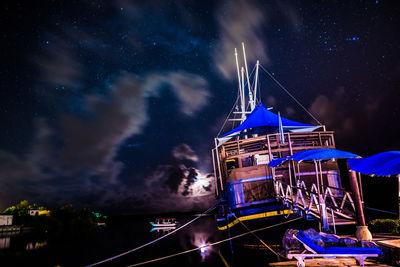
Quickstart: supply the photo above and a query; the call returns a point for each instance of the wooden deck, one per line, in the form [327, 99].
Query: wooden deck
[330, 262]
[389, 243]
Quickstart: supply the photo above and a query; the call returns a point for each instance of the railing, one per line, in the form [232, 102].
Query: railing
[324, 206]
[294, 142]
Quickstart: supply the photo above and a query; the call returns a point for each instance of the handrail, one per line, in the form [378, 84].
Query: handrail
[295, 195]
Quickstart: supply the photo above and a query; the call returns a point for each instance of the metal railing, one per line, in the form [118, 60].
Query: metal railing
[325, 206]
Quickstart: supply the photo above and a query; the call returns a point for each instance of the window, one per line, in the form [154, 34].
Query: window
[248, 161]
[231, 164]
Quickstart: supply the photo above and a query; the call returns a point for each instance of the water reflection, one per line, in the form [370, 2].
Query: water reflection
[4, 242]
[35, 245]
[162, 230]
[200, 234]
[200, 240]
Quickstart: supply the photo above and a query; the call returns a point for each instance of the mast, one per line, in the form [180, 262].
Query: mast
[255, 87]
[241, 87]
[248, 80]
[243, 99]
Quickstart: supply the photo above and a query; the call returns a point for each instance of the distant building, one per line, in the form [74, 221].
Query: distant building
[6, 220]
[38, 212]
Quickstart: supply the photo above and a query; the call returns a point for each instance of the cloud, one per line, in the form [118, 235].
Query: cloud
[76, 158]
[59, 65]
[239, 21]
[178, 183]
[92, 143]
[190, 89]
[331, 113]
[183, 151]
[351, 115]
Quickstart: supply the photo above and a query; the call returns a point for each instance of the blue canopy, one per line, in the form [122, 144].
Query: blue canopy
[314, 154]
[261, 116]
[383, 164]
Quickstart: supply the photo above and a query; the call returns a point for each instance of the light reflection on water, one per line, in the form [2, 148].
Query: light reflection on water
[200, 241]
[116, 238]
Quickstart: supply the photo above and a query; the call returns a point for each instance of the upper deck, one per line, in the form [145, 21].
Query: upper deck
[294, 142]
[249, 157]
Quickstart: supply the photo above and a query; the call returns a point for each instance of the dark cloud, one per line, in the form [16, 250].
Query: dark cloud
[78, 157]
[185, 185]
[190, 89]
[183, 151]
[362, 123]
[59, 64]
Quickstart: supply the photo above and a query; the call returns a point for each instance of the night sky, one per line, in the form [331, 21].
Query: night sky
[114, 105]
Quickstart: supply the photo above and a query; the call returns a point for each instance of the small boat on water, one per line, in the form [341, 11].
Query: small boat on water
[164, 222]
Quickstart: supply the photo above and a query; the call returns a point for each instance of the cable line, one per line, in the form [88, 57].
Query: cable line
[212, 244]
[153, 241]
[256, 236]
[281, 86]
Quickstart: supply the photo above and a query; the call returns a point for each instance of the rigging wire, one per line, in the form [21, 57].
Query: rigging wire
[155, 240]
[237, 99]
[212, 244]
[226, 120]
[256, 236]
[281, 86]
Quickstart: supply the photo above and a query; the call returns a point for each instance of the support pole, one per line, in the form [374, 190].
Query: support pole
[398, 200]
[322, 207]
[243, 107]
[362, 233]
[241, 90]
[219, 165]
[255, 86]
[247, 75]
[215, 173]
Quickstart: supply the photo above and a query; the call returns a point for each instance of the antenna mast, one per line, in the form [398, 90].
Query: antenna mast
[252, 105]
[255, 86]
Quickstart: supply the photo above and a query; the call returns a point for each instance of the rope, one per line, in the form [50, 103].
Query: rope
[212, 244]
[223, 125]
[281, 86]
[155, 240]
[384, 211]
[259, 239]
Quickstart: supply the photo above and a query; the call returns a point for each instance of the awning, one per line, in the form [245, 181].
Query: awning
[262, 117]
[314, 154]
[382, 164]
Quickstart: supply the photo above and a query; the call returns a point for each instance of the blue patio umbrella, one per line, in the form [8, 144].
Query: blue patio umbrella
[382, 164]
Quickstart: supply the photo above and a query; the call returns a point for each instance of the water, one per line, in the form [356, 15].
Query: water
[118, 236]
[125, 233]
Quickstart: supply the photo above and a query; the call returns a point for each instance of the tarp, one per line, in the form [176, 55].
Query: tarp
[314, 154]
[383, 164]
[261, 116]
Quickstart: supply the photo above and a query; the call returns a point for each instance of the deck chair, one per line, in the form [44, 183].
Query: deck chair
[313, 250]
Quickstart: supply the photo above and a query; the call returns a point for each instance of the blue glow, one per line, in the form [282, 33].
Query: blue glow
[256, 179]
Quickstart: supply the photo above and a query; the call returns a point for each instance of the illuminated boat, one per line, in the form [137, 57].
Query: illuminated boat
[245, 182]
[164, 222]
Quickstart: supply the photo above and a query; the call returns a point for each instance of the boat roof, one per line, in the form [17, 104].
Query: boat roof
[262, 117]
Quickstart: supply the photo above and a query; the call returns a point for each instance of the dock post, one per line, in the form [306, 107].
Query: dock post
[362, 232]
